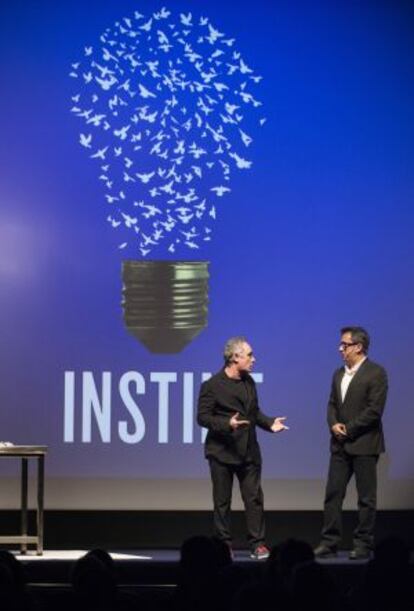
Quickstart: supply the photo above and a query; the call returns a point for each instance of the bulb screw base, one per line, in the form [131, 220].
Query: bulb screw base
[165, 303]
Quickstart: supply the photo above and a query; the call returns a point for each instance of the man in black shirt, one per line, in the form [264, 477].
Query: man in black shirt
[228, 407]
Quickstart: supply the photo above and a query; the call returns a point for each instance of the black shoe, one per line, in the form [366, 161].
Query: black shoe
[359, 553]
[324, 551]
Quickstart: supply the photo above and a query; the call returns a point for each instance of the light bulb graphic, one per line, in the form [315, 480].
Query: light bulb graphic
[168, 109]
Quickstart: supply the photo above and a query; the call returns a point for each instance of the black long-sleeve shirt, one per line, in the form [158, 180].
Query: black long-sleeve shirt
[221, 397]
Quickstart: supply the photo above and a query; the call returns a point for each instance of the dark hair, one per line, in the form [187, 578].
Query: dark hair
[359, 336]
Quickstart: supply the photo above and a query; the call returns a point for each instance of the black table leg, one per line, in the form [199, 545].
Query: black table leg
[40, 497]
[23, 524]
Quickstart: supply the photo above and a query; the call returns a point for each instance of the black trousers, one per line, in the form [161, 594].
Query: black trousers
[249, 476]
[341, 468]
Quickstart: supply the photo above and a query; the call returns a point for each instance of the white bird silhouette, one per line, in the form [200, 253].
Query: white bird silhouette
[125, 85]
[144, 92]
[85, 140]
[158, 234]
[113, 222]
[191, 244]
[85, 114]
[162, 14]
[150, 210]
[128, 177]
[216, 133]
[221, 86]
[187, 197]
[248, 98]
[240, 162]
[196, 151]
[107, 56]
[230, 108]
[244, 68]
[96, 120]
[228, 119]
[162, 39]
[220, 191]
[247, 140]
[190, 235]
[106, 84]
[201, 206]
[214, 34]
[100, 153]
[122, 132]
[203, 106]
[145, 178]
[186, 19]
[129, 220]
[168, 188]
[147, 240]
[197, 170]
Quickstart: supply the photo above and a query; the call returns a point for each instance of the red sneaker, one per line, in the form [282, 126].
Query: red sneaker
[261, 552]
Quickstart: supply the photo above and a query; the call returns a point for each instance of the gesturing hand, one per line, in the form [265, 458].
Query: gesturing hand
[235, 423]
[278, 425]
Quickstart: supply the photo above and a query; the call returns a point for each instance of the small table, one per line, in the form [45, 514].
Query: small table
[25, 453]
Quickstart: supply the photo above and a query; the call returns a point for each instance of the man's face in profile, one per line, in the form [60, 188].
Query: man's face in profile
[244, 358]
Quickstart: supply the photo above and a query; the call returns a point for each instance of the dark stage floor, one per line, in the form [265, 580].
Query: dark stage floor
[156, 567]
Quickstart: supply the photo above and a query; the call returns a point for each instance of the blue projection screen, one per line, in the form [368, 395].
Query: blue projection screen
[176, 174]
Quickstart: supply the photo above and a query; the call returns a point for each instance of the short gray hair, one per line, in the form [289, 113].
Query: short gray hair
[232, 346]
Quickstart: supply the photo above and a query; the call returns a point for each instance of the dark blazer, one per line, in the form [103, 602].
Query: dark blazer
[220, 398]
[361, 411]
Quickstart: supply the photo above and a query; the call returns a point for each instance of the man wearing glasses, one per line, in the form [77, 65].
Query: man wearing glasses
[356, 403]
[228, 407]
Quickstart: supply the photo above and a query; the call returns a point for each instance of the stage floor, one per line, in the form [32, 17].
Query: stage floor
[155, 555]
[153, 566]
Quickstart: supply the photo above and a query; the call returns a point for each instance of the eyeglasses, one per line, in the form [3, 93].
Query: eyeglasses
[345, 345]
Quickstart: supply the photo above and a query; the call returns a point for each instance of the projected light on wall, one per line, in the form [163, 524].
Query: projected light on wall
[168, 108]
